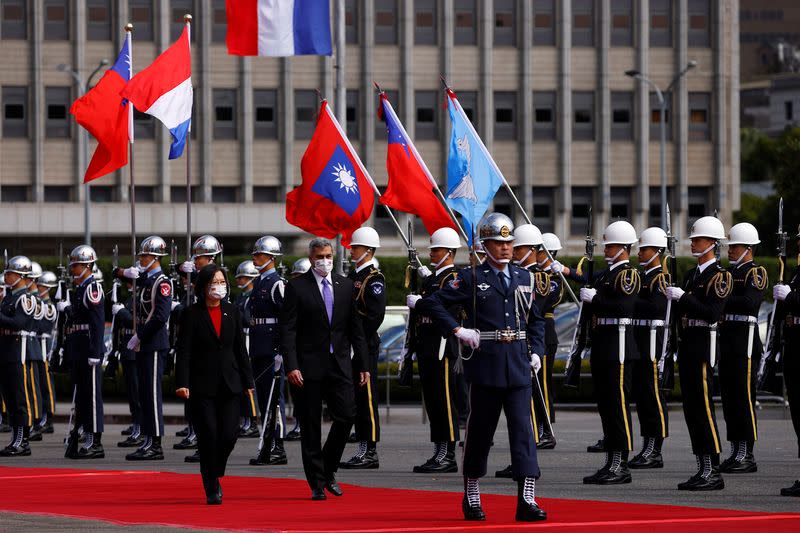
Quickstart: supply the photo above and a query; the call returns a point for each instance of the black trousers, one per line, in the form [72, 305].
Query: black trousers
[34, 389]
[545, 377]
[650, 405]
[88, 381]
[698, 405]
[264, 374]
[14, 386]
[737, 384]
[216, 422]
[150, 370]
[132, 389]
[367, 423]
[440, 394]
[791, 376]
[321, 462]
[612, 389]
[485, 406]
[47, 389]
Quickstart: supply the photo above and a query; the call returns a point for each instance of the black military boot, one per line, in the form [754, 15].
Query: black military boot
[420, 468]
[92, 448]
[194, 458]
[598, 447]
[364, 459]
[249, 430]
[262, 458]
[444, 462]
[294, 434]
[71, 445]
[471, 503]
[504, 473]
[527, 509]
[650, 456]
[189, 442]
[794, 490]
[183, 432]
[34, 434]
[135, 438]
[741, 460]
[706, 478]
[546, 442]
[127, 431]
[150, 451]
[277, 455]
[594, 479]
[46, 425]
[618, 472]
[18, 446]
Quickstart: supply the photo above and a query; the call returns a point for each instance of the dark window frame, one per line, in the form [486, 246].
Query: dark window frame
[306, 103]
[464, 34]
[584, 115]
[584, 36]
[622, 127]
[266, 100]
[226, 104]
[426, 34]
[145, 29]
[99, 30]
[544, 23]
[387, 33]
[14, 28]
[57, 29]
[506, 120]
[505, 12]
[57, 101]
[544, 102]
[15, 100]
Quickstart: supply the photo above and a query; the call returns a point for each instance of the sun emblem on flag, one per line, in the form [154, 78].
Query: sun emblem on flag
[346, 180]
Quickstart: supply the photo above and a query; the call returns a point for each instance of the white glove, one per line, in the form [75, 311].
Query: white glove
[675, 293]
[173, 305]
[536, 363]
[412, 299]
[134, 343]
[116, 308]
[470, 337]
[556, 267]
[278, 363]
[62, 306]
[424, 271]
[187, 267]
[587, 294]
[94, 362]
[780, 292]
[131, 273]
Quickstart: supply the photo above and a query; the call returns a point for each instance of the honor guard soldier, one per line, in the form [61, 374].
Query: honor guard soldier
[501, 350]
[150, 341]
[648, 328]
[787, 340]
[16, 319]
[246, 273]
[35, 359]
[84, 349]
[369, 286]
[437, 354]
[552, 244]
[123, 332]
[47, 282]
[265, 305]
[739, 340]
[699, 308]
[609, 304]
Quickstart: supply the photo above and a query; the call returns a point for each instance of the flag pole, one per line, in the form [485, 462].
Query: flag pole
[187, 19]
[129, 40]
[341, 102]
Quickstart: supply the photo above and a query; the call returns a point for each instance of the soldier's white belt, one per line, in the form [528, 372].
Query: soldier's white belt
[792, 320]
[12, 333]
[263, 321]
[648, 323]
[503, 335]
[613, 321]
[740, 318]
[696, 323]
[77, 327]
[126, 331]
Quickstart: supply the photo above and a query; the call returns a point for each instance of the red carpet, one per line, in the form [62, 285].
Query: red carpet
[265, 504]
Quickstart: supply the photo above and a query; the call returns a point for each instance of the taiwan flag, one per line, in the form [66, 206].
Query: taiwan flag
[336, 195]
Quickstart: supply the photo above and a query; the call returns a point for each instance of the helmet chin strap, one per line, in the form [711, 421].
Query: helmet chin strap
[263, 267]
[440, 261]
[739, 259]
[611, 260]
[650, 261]
[357, 261]
[521, 262]
[498, 261]
[145, 268]
[704, 252]
[80, 276]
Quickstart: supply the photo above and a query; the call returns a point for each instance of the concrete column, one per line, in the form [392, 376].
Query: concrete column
[287, 133]
[642, 110]
[486, 94]
[162, 135]
[525, 112]
[564, 110]
[680, 122]
[246, 118]
[118, 36]
[78, 65]
[407, 114]
[447, 28]
[603, 99]
[367, 76]
[36, 100]
[719, 134]
[734, 200]
[206, 101]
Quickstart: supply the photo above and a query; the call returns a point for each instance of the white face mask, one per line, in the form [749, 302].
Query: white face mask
[218, 292]
[323, 267]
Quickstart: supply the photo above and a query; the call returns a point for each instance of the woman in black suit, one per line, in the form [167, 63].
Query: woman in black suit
[213, 371]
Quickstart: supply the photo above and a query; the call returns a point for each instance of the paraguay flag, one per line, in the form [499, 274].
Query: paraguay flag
[336, 195]
[164, 90]
[104, 114]
[278, 27]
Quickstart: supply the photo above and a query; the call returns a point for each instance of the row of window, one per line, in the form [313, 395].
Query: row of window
[506, 27]
[428, 124]
[144, 193]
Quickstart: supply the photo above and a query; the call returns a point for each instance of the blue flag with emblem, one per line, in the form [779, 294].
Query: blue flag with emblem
[472, 175]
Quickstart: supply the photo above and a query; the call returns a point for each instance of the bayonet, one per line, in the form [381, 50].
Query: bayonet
[769, 357]
[580, 339]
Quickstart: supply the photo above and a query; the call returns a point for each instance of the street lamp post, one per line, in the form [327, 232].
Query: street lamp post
[83, 88]
[662, 127]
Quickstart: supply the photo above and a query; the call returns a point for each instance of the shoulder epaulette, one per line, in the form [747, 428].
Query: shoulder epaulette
[628, 280]
[757, 275]
[721, 283]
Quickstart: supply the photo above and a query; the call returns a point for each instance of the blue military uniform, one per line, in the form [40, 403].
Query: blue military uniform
[123, 331]
[34, 360]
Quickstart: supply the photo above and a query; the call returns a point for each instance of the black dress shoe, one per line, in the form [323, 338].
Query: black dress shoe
[188, 443]
[686, 485]
[131, 442]
[529, 512]
[318, 494]
[15, 451]
[47, 427]
[153, 453]
[595, 478]
[794, 490]
[293, 434]
[261, 459]
[364, 462]
[472, 513]
[712, 482]
[641, 462]
[546, 442]
[95, 451]
[619, 476]
[277, 456]
[127, 431]
[745, 466]
[598, 447]
[214, 499]
[447, 465]
[194, 458]
[504, 473]
[219, 489]
[182, 433]
[333, 487]
[35, 434]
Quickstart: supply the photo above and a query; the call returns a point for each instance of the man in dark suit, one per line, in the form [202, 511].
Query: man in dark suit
[320, 327]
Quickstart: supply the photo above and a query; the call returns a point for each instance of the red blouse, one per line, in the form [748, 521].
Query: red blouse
[216, 318]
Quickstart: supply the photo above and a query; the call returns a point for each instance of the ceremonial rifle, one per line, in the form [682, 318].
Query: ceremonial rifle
[666, 363]
[112, 357]
[406, 370]
[62, 295]
[771, 353]
[580, 339]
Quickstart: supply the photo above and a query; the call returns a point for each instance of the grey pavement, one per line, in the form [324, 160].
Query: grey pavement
[405, 443]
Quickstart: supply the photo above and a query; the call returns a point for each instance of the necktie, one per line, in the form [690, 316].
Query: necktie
[327, 297]
[503, 281]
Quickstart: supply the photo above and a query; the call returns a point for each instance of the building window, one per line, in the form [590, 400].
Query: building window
[622, 23]
[426, 116]
[655, 117]
[179, 8]
[351, 21]
[544, 23]
[544, 115]
[14, 193]
[265, 194]
[15, 112]
[505, 30]
[265, 102]
[219, 22]
[14, 23]
[425, 22]
[351, 112]
[621, 116]
[57, 193]
[146, 194]
[654, 218]
[57, 120]
[144, 126]
[98, 20]
[380, 124]
[141, 15]
[466, 26]
[698, 203]
[582, 22]
[583, 115]
[224, 194]
[581, 200]
[699, 115]
[177, 193]
[385, 21]
[788, 111]
[101, 194]
[505, 115]
[469, 103]
[661, 23]
[56, 20]
[620, 203]
[225, 114]
[306, 105]
[543, 208]
[699, 23]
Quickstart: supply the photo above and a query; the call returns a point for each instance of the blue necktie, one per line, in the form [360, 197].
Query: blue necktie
[503, 281]
[327, 297]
